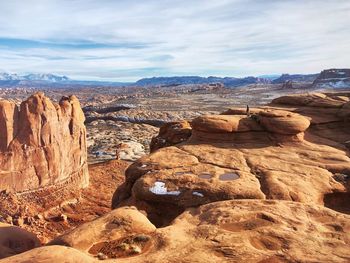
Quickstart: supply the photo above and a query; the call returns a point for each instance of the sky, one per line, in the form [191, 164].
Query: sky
[125, 40]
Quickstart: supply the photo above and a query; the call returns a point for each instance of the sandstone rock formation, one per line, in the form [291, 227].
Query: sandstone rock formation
[227, 231]
[51, 254]
[121, 225]
[14, 240]
[42, 144]
[171, 134]
[269, 155]
[268, 186]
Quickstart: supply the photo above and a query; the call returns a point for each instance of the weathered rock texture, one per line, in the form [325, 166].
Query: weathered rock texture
[14, 240]
[273, 153]
[42, 144]
[227, 231]
[171, 134]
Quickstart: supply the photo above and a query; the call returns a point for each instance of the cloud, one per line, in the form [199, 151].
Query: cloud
[129, 39]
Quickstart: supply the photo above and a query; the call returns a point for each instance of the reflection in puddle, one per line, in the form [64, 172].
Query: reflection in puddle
[228, 177]
[205, 176]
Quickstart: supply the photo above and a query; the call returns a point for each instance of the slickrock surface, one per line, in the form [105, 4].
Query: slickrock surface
[227, 231]
[42, 144]
[14, 240]
[116, 225]
[269, 154]
[50, 254]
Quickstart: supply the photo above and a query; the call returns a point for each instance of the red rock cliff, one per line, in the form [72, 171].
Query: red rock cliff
[42, 144]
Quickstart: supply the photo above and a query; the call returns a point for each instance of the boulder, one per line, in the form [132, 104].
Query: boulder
[124, 231]
[170, 134]
[283, 122]
[14, 240]
[224, 124]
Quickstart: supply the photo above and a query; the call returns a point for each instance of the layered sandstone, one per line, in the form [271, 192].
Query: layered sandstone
[42, 144]
[273, 153]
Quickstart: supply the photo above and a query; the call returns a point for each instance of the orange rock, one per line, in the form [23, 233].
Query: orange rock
[283, 122]
[264, 156]
[42, 144]
[170, 134]
[14, 240]
[227, 231]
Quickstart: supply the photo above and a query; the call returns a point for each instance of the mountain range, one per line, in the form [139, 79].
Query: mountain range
[336, 78]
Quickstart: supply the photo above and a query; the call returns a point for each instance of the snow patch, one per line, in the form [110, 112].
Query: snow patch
[160, 189]
[198, 194]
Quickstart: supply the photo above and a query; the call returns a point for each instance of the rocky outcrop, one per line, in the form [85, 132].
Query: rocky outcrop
[269, 154]
[328, 113]
[93, 237]
[42, 144]
[170, 134]
[14, 240]
[227, 231]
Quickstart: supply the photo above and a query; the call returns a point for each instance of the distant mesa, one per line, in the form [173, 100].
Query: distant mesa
[295, 78]
[334, 78]
[173, 81]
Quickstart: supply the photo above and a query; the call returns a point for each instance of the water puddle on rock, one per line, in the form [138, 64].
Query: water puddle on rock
[228, 177]
[182, 173]
[206, 176]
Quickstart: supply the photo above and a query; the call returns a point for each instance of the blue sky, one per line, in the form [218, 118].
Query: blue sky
[124, 40]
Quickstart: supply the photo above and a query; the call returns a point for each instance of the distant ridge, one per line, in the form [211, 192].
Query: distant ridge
[10, 80]
[227, 81]
[295, 77]
[339, 78]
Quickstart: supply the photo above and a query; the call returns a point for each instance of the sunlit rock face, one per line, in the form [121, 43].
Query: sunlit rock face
[293, 149]
[42, 144]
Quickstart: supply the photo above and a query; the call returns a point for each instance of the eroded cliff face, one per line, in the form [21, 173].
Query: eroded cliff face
[42, 144]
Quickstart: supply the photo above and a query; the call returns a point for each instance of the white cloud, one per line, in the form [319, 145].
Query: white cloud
[145, 38]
